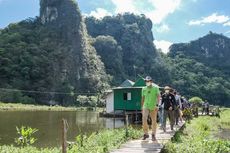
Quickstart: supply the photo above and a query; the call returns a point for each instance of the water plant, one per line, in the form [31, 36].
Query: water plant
[25, 136]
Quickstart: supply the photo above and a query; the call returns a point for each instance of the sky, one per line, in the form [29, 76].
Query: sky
[174, 21]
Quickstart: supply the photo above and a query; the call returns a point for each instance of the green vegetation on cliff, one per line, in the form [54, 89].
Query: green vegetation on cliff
[49, 58]
[53, 58]
[129, 39]
[196, 70]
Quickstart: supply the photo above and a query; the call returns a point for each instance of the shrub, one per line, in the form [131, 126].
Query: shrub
[195, 100]
[25, 136]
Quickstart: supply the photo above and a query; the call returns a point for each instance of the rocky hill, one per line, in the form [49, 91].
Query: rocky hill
[132, 41]
[55, 57]
[201, 67]
[213, 50]
[50, 53]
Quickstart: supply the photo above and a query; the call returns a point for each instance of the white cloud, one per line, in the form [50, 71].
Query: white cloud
[163, 45]
[227, 23]
[123, 6]
[214, 18]
[100, 13]
[162, 9]
[228, 32]
[157, 10]
[162, 28]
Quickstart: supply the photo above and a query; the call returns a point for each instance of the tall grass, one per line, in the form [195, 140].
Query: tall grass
[225, 118]
[104, 141]
[28, 149]
[200, 136]
[101, 142]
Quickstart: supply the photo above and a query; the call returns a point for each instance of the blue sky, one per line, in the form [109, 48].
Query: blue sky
[174, 21]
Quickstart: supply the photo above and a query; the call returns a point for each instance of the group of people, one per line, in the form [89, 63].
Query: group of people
[168, 104]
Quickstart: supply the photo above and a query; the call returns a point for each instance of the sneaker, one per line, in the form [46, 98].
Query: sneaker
[153, 137]
[145, 136]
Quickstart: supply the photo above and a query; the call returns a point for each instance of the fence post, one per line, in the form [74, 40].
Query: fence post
[64, 144]
[126, 126]
[114, 120]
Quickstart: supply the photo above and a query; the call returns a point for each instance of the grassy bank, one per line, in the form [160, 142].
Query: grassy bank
[29, 149]
[30, 107]
[101, 142]
[202, 136]
[104, 141]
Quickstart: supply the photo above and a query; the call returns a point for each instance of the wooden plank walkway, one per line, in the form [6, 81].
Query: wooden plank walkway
[149, 146]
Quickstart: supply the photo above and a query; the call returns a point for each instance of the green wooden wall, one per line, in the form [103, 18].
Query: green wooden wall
[133, 104]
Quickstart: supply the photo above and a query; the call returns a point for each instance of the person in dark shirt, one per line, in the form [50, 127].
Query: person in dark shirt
[178, 107]
[203, 107]
[206, 105]
[169, 101]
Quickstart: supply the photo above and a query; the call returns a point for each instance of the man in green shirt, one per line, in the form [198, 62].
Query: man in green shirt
[149, 103]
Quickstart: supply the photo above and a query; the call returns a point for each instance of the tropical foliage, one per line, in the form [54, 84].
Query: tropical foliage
[41, 63]
[51, 59]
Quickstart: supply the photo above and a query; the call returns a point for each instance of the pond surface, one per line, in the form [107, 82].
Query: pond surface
[49, 125]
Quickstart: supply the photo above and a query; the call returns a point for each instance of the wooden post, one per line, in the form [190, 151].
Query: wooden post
[64, 144]
[136, 117]
[114, 120]
[126, 122]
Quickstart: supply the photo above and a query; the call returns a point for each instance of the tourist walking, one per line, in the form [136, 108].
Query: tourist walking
[203, 107]
[168, 99]
[178, 107]
[149, 103]
[206, 105]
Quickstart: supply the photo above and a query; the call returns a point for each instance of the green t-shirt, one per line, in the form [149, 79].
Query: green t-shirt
[151, 95]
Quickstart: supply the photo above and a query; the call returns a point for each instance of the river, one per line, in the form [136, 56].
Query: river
[49, 125]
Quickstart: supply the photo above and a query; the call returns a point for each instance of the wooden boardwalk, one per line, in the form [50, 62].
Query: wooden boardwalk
[149, 146]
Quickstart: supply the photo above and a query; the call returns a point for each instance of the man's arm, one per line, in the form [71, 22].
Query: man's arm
[158, 99]
[158, 102]
[142, 101]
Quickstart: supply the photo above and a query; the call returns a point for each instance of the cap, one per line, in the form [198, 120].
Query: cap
[167, 88]
[148, 78]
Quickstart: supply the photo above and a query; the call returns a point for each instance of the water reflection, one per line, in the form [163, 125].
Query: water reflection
[49, 125]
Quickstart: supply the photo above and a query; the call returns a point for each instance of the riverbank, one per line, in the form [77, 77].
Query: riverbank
[203, 134]
[31, 107]
[97, 142]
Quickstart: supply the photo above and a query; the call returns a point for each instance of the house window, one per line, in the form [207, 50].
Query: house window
[127, 96]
